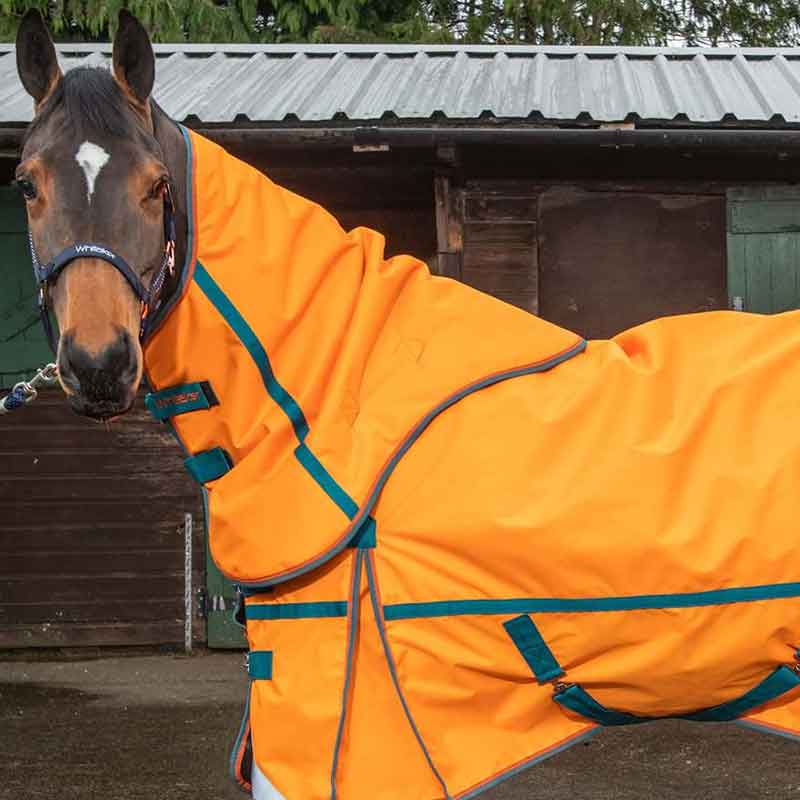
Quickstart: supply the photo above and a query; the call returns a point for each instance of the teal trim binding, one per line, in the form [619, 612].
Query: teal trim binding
[253, 346]
[352, 635]
[209, 465]
[259, 665]
[374, 594]
[318, 610]
[180, 400]
[314, 468]
[405, 446]
[761, 727]
[478, 790]
[275, 390]
[366, 536]
[548, 605]
[244, 732]
[782, 680]
[533, 648]
[163, 312]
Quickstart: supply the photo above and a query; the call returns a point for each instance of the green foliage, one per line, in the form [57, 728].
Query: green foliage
[621, 22]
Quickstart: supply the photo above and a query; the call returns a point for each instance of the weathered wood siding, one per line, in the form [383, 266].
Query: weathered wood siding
[594, 258]
[501, 255]
[91, 541]
[610, 260]
[378, 191]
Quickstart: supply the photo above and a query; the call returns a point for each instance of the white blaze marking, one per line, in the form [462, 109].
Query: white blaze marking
[91, 158]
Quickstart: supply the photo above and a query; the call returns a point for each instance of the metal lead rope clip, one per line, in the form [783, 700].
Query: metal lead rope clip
[25, 392]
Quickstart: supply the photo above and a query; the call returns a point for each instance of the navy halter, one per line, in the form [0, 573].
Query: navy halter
[149, 297]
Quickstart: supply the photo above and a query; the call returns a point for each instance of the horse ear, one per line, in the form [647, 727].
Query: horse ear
[134, 62]
[37, 63]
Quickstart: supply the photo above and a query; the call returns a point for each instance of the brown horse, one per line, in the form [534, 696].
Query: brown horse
[653, 476]
[96, 163]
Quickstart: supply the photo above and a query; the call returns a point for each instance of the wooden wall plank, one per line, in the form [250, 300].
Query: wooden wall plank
[91, 544]
[501, 242]
[449, 207]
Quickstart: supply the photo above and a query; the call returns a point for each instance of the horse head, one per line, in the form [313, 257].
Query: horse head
[95, 173]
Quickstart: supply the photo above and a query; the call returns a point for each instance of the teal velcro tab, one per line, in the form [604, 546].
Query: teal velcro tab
[259, 665]
[365, 536]
[180, 399]
[533, 648]
[209, 465]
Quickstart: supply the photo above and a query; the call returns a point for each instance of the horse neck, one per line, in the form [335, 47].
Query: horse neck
[173, 146]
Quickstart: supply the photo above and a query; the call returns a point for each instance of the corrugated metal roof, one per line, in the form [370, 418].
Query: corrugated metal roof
[217, 84]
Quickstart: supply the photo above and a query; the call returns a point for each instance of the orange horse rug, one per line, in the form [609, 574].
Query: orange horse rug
[467, 538]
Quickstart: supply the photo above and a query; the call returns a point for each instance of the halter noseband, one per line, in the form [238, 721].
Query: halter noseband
[47, 274]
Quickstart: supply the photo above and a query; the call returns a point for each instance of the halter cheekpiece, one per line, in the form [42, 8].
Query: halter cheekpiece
[47, 274]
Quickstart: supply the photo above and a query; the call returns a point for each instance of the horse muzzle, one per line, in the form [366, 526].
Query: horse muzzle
[101, 385]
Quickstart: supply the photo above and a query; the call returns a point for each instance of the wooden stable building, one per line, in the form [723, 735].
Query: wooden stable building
[597, 187]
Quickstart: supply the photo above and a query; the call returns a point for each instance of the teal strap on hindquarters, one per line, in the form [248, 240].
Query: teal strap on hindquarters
[782, 680]
[259, 665]
[209, 465]
[533, 648]
[180, 399]
[577, 699]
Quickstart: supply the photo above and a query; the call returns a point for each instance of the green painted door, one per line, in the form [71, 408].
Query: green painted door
[221, 629]
[764, 248]
[23, 347]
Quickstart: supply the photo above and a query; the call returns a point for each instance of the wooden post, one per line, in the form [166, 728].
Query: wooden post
[449, 226]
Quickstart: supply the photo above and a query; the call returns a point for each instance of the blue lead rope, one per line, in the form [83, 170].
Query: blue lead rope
[14, 400]
[25, 392]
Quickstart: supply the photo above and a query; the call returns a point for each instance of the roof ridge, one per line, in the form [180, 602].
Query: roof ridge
[477, 49]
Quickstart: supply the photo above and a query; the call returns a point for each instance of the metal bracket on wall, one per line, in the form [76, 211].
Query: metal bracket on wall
[202, 603]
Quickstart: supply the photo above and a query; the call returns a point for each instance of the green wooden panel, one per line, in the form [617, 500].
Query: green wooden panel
[23, 347]
[785, 249]
[749, 194]
[222, 632]
[764, 249]
[764, 216]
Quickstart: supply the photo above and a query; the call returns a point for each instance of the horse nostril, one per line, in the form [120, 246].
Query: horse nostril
[120, 358]
[65, 371]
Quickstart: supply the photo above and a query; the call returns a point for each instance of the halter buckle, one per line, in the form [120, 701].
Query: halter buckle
[169, 250]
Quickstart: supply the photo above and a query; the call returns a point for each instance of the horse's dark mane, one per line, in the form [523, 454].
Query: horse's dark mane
[92, 102]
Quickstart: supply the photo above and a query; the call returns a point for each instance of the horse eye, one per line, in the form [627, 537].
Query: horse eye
[158, 187]
[27, 188]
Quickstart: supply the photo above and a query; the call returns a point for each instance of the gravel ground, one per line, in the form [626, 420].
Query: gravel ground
[158, 727]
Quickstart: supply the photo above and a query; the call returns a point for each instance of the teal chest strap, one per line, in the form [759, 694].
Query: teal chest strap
[209, 465]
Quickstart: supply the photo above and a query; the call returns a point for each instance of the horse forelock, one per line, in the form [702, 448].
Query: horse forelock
[89, 104]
